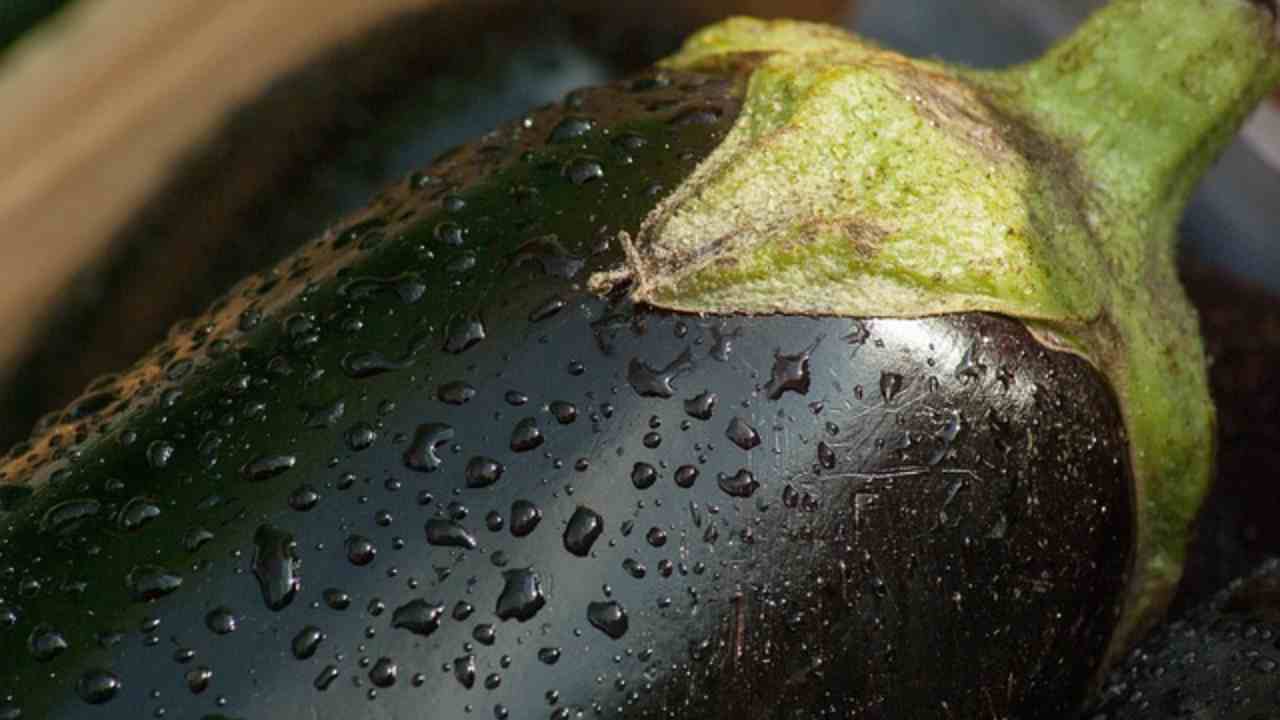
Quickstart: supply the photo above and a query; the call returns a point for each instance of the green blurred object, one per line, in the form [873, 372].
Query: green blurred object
[17, 17]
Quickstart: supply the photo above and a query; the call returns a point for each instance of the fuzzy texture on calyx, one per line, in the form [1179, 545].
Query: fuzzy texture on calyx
[861, 183]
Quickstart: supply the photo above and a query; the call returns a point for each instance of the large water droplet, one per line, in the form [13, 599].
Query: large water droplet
[462, 333]
[98, 686]
[483, 472]
[526, 435]
[221, 620]
[423, 453]
[686, 476]
[648, 382]
[564, 412]
[276, 565]
[45, 643]
[570, 128]
[361, 550]
[447, 533]
[608, 617]
[701, 406]
[464, 670]
[521, 596]
[67, 516]
[742, 434]
[525, 516]
[582, 531]
[384, 672]
[890, 385]
[307, 641]
[455, 393]
[265, 467]
[136, 513]
[790, 373]
[418, 617]
[741, 484]
[159, 453]
[643, 475]
[151, 582]
[198, 679]
[583, 170]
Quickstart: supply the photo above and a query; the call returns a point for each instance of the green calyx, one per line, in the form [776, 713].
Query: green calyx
[861, 183]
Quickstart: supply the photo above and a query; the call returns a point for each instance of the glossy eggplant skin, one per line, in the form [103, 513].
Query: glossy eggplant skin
[1219, 661]
[422, 472]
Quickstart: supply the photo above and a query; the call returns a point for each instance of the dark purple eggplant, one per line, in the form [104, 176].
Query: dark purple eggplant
[636, 407]
[1220, 662]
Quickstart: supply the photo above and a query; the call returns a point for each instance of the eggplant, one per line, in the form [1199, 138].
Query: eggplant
[791, 379]
[1219, 662]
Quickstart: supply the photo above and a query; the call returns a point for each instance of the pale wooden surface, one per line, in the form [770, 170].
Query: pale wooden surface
[98, 107]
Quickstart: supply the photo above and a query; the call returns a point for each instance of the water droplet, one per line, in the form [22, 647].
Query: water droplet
[741, 484]
[447, 533]
[525, 516]
[696, 116]
[608, 617]
[196, 538]
[657, 537]
[221, 620]
[98, 686]
[336, 599]
[564, 412]
[890, 385]
[485, 634]
[45, 643]
[826, 456]
[323, 416]
[360, 436]
[790, 373]
[307, 641]
[634, 568]
[303, 498]
[276, 565]
[648, 382]
[265, 467]
[136, 513]
[686, 476]
[643, 475]
[483, 472]
[159, 453]
[548, 308]
[384, 672]
[464, 670]
[67, 516]
[422, 454]
[570, 128]
[583, 170]
[526, 435]
[418, 617]
[360, 550]
[151, 582]
[701, 406]
[455, 393]
[585, 526]
[521, 596]
[549, 655]
[462, 333]
[198, 679]
[325, 678]
[367, 364]
[742, 434]
[515, 398]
